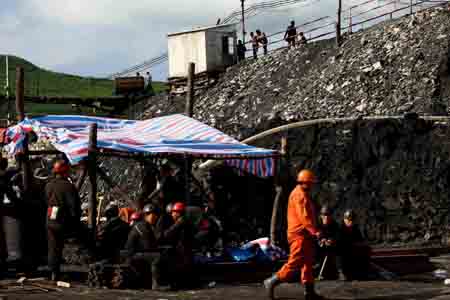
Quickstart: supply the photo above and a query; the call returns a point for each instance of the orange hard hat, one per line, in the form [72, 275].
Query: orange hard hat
[306, 176]
[60, 167]
[179, 207]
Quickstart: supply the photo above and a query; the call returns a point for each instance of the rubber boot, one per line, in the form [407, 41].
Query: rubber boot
[159, 288]
[270, 284]
[310, 293]
[155, 281]
[54, 276]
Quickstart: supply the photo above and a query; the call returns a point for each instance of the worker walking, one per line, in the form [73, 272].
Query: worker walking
[301, 230]
[63, 214]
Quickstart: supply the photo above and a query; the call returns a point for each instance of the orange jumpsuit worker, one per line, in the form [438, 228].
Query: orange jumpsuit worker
[300, 233]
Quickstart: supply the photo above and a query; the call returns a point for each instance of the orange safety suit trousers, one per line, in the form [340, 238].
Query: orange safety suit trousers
[300, 259]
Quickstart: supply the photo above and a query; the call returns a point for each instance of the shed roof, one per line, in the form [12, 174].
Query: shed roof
[201, 29]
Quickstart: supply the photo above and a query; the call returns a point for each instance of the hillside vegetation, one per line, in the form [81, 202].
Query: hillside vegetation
[41, 82]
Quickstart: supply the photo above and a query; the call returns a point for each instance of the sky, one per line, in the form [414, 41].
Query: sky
[99, 37]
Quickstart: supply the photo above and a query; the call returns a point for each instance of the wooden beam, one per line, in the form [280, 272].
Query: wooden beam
[92, 171]
[280, 186]
[189, 109]
[44, 152]
[20, 91]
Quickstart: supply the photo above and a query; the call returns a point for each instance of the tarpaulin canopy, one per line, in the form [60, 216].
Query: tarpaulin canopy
[174, 134]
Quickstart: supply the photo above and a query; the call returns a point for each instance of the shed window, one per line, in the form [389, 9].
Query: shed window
[228, 45]
[231, 45]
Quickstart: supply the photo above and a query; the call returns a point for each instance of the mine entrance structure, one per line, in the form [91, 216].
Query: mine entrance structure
[212, 49]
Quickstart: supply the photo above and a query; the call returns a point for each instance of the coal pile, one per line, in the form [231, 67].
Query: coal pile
[389, 69]
[395, 173]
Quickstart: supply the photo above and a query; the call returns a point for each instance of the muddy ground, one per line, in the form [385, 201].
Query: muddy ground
[412, 287]
[376, 290]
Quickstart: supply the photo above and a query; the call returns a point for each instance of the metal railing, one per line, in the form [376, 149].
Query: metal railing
[357, 16]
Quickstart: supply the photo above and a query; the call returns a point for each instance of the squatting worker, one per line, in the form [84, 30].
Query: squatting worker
[63, 214]
[301, 230]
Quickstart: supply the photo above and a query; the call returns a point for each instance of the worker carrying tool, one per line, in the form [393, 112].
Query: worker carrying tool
[63, 214]
[301, 231]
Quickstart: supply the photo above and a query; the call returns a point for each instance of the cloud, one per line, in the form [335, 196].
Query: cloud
[100, 37]
[113, 12]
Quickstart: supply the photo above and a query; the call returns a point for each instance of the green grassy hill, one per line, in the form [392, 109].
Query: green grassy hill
[41, 82]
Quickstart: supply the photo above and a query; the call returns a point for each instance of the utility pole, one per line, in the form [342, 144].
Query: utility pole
[243, 21]
[338, 24]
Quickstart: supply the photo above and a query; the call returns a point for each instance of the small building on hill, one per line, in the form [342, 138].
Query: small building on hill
[212, 49]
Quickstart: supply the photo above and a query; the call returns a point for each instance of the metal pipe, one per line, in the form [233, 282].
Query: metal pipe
[301, 124]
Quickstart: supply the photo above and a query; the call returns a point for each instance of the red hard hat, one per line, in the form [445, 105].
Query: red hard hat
[135, 216]
[60, 167]
[179, 207]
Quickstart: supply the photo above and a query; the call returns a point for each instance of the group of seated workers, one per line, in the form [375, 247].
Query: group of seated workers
[342, 252]
[157, 241]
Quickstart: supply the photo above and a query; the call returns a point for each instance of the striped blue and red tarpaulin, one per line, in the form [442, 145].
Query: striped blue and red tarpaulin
[174, 134]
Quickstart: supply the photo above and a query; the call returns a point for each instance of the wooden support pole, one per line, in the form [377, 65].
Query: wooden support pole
[279, 187]
[23, 159]
[189, 111]
[20, 93]
[92, 171]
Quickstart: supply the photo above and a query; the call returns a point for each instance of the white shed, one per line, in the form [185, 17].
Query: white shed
[210, 48]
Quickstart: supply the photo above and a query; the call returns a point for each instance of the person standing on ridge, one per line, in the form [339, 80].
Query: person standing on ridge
[291, 35]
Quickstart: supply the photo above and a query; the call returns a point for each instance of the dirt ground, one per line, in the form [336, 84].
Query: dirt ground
[404, 290]
[417, 287]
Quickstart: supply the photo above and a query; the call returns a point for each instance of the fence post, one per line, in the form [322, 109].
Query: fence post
[350, 24]
[410, 7]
